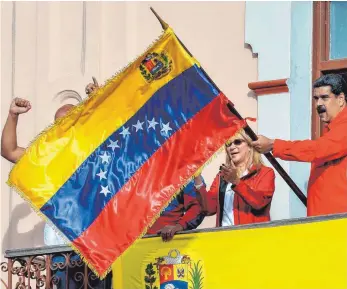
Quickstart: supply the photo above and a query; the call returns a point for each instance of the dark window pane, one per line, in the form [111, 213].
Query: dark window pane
[338, 29]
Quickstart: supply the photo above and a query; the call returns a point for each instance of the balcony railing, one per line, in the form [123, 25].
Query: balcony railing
[53, 267]
[58, 267]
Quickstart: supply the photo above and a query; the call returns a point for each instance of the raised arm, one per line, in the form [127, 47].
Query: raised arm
[9, 147]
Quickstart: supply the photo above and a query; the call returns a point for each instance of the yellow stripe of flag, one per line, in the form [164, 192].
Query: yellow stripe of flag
[58, 152]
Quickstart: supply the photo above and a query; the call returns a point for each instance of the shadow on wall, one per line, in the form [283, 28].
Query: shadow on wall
[252, 94]
[15, 239]
[248, 46]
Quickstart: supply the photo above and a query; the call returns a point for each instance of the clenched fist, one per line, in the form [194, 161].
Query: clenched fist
[19, 106]
[263, 144]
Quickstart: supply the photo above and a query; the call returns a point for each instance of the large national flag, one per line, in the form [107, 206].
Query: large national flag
[102, 174]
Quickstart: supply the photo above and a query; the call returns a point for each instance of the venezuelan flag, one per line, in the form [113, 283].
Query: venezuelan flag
[103, 173]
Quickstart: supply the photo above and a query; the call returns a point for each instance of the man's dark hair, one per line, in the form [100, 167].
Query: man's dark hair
[335, 81]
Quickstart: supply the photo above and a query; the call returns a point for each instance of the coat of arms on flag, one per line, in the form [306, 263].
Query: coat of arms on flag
[155, 65]
[174, 271]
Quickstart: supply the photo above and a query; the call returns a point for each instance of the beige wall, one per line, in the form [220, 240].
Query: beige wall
[48, 47]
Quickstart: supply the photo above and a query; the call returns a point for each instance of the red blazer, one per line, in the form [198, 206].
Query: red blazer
[252, 198]
[327, 187]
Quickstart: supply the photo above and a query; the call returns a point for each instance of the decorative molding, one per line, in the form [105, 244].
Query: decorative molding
[269, 86]
[250, 47]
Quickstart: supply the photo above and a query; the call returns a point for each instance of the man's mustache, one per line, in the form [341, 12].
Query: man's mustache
[321, 109]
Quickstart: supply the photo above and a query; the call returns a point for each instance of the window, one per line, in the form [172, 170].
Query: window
[329, 45]
[338, 30]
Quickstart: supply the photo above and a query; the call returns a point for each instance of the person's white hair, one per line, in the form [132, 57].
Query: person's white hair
[68, 94]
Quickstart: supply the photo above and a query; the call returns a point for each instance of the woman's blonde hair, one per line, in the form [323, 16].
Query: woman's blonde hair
[255, 157]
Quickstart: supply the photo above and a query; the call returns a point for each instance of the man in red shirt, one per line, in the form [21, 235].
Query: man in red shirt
[327, 187]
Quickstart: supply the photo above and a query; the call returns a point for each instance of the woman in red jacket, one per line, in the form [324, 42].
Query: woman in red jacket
[242, 191]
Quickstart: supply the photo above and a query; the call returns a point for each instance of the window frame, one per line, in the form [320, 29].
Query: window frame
[320, 53]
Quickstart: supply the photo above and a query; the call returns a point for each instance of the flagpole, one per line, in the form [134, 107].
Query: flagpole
[248, 129]
[163, 24]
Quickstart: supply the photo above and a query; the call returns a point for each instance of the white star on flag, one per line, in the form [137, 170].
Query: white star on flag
[166, 128]
[105, 190]
[102, 174]
[113, 144]
[138, 125]
[125, 132]
[152, 123]
[105, 158]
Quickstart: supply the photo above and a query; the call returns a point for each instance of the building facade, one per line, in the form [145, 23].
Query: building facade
[263, 56]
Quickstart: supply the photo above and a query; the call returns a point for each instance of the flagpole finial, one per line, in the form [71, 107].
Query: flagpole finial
[163, 24]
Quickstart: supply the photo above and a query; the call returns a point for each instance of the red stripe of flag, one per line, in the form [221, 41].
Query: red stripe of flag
[131, 210]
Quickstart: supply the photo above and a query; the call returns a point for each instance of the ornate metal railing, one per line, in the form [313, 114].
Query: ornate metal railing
[53, 267]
